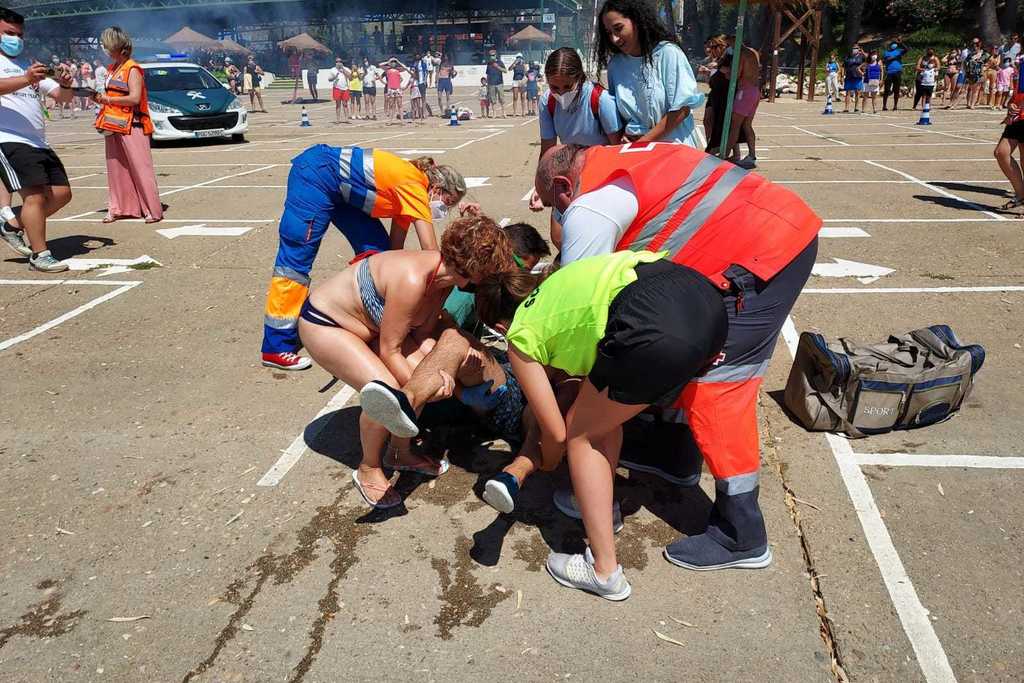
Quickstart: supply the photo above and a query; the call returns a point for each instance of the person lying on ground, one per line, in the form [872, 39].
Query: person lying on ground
[608, 319]
[379, 317]
[485, 384]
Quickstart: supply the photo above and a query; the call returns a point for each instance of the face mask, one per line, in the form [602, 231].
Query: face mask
[566, 98]
[892, 46]
[11, 45]
[557, 215]
[438, 209]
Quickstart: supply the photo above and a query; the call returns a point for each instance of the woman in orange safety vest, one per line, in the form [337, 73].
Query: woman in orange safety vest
[124, 119]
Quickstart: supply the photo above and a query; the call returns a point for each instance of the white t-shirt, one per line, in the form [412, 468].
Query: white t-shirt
[928, 76]
[596, 221]
[339, 79]
[101, 75]
[22, 117]
[372, 74]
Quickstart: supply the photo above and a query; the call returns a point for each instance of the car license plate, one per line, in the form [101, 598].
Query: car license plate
[213, 133]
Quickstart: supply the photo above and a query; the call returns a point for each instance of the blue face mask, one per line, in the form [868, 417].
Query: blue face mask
[11, 45]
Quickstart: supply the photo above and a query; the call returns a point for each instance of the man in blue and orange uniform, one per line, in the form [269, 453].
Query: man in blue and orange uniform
[354, 188]
[756, 242]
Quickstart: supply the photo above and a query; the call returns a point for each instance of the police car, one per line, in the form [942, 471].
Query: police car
[187, 102]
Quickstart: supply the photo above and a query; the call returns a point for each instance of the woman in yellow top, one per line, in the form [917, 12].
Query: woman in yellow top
[638, 328]
[355, 88]
[354, 188]
[124, 119]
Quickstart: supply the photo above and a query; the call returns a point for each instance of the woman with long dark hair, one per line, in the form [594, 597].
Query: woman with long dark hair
[648, 74]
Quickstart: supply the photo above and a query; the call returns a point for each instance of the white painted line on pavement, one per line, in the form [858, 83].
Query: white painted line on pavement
[913, 290]
[842, 232]
[526, 197]
[486, 137]
[878, 182]
[928, 129]
[82, 177]
[169, 220]
[183, 189]
[931, 657]
[124, 287]
[939, 190]
[291, 455]
[823, 137]
[915, 220]
[992, 462]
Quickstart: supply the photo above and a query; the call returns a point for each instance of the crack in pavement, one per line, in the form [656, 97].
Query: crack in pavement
[826, 627]
[43, 619]
[333, 523]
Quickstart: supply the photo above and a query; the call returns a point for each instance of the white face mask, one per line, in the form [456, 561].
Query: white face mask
[566, 99]
[438, 210]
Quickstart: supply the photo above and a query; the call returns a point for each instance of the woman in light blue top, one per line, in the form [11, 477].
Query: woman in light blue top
[648, 74]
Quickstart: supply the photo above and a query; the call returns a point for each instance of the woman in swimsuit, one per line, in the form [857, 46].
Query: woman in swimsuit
[379, 317]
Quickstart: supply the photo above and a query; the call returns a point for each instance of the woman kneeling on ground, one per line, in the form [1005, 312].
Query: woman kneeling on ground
[638, 328]
[379, 317]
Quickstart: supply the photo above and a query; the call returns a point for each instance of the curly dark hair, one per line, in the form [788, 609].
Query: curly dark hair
[648, 27]
[475, 247]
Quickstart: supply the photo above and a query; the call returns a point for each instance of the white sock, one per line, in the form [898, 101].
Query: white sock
[6, 213]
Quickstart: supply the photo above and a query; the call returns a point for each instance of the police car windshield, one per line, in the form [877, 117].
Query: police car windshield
[163, 79]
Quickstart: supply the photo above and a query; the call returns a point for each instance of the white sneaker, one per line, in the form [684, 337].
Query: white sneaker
[565, 501]
[44, 262]
[577, 571]
[15, 239]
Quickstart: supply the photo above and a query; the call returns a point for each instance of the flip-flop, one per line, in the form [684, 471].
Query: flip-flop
[432, 470]
[374, 504]
[389, 407]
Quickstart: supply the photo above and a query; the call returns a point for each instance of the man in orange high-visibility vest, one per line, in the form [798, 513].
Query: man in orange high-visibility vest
[756, 242]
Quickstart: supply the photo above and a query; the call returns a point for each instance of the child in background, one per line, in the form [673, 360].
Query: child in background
[832, 79]
[485, 102]
[532, 88]
[1004, 79]
[872, 82]
[355, 87]
[415, 98]
[928, 72]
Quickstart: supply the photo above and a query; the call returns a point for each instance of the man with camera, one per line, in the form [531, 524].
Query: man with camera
[27, 164]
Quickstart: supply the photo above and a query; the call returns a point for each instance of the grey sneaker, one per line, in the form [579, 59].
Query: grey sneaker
[577, 571]
[44, 261]
[565, 501]
[15, 239]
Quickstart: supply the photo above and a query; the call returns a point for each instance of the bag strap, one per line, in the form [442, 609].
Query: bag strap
[833, 405]
[595, 104]
[882, 355]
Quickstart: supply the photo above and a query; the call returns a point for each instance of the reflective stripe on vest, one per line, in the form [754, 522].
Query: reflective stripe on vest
[707, 213]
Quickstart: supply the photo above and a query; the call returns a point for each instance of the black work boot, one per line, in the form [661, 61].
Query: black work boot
[735, 537]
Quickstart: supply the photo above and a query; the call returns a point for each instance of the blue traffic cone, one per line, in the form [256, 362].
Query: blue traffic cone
[926, 115]
[828, 105]
[304, 118]
[453, 117]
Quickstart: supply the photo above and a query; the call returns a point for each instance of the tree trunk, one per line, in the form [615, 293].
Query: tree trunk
[1008, 20]
[988, 22]
[854, 17]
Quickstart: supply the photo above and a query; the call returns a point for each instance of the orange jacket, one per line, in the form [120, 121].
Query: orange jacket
[115, 118]
[707, 213]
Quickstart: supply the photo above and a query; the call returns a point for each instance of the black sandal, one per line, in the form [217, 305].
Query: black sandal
[1014, 203]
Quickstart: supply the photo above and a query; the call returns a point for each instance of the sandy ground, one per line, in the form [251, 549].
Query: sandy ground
[138, 423]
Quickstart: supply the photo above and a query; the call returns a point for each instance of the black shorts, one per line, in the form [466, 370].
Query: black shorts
[1014, 131]
[24, 166]
[423, 89]
[662, 331]
[370, 92]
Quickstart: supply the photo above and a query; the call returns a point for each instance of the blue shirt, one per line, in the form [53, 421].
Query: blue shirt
[832, 67]
[893, 60]
[645, 93]
[874, 72]
[495, 76]
[577, 126]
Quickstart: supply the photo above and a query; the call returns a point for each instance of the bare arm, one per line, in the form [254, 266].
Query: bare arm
[541, 398]
[668, 122]
[424, 233]
[403, 299]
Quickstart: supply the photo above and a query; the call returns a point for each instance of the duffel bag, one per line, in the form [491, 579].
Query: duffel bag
[910, 381]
